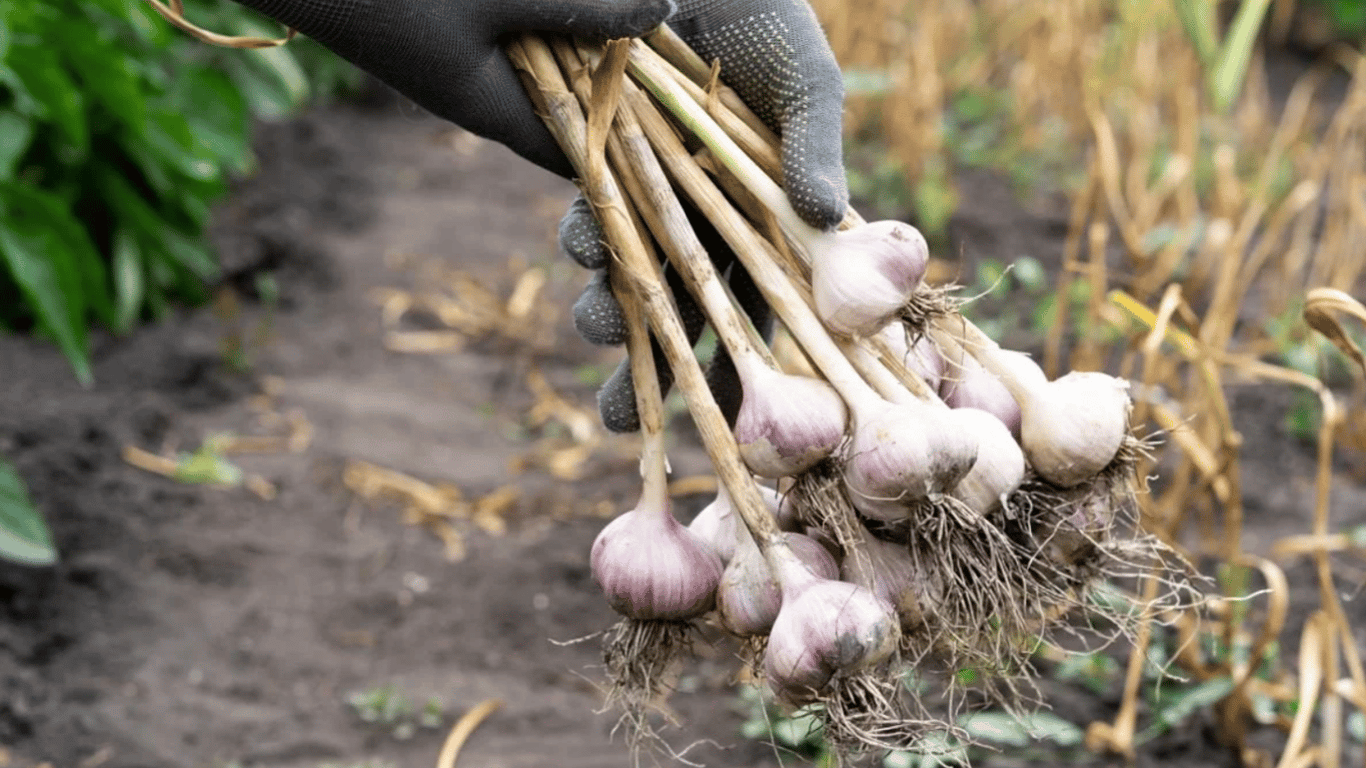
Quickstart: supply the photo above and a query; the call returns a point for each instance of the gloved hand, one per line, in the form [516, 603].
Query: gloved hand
[775, 56]
[447, 56]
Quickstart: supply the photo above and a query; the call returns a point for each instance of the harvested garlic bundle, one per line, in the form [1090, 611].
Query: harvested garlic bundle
[650, 567]
[922, 358]
[1070, 428]
[886, 570]
[904, 453]
[968, 385]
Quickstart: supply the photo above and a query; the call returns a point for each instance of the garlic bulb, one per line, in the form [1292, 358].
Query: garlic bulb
[823, 627]
[901, 454]
[748, 598]
[718, 522]
[969, 385]
[886, 570]
[1000, 465]
[1071, 428]
[862, 277]
[786, 423]
[650, 567]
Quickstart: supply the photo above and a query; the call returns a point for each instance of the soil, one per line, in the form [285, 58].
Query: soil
[196, 626]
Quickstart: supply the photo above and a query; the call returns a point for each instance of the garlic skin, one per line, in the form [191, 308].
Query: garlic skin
[718, 523]
[787, 423]
[862, 277]
[1073, 539]
[748, 598]
[922, 357]
[1071, 428]
[903, 453]
[1000, 465]
[969, 385]
[886, 570]
[824, 627]
[1078, 429]
[651, 567]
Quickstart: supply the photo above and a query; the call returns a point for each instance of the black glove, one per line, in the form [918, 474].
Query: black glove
[446, 55]
[774, 55]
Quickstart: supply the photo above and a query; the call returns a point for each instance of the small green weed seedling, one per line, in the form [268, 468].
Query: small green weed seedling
[387, 707]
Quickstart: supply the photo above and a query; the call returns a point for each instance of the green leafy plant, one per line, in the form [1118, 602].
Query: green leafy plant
[388, 707]
[117, 132]
[24, 537]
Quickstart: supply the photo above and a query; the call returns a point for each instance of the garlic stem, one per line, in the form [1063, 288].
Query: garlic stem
[661, 82]
[757, 255]
[663, 213]
[877, 374]
[970, 339]
[774, 446]
[565, 119]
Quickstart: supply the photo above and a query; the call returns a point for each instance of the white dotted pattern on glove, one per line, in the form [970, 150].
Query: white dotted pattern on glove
[582, 237]
[759, 61]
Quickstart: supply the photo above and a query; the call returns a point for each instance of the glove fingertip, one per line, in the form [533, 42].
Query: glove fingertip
[581, 237]
[617, 401]
[597, 314]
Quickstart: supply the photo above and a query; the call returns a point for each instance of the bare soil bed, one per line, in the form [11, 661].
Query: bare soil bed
[194, 626]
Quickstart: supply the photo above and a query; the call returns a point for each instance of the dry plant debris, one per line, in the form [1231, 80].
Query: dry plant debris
[209, 464]
[438, 507]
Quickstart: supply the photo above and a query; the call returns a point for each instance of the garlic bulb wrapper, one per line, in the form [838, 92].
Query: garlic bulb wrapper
[786, 423]
[748, 598]
[651, 567]
[903, 453]
[824, 627]
[969, 385]
[718, 523]
[1000, 465]
[862, 277]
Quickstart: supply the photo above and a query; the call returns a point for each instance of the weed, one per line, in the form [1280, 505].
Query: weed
[387, 707]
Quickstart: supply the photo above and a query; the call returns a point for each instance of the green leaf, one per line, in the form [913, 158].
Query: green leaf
[996, 727]
[1356, 727]
[15, 134]
[797, 731]
[60, 99]
[105, 72]
[1030, 274]
[279, 61]
[1184, 702]
[207, 467]
[130, 281]
[1009, 730]
[24, 102]
[164, 244]
[45, 269]
[265, 95]
[24, 537]
[217, 115]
